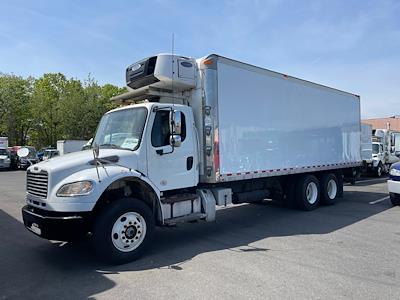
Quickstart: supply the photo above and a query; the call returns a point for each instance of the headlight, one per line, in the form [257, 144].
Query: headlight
[79, 188]
[394, 172]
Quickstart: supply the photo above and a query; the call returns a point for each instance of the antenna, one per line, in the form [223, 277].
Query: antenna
[172, 69]
[96, 152]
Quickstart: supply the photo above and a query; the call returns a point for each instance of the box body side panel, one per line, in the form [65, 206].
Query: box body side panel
[268, 122]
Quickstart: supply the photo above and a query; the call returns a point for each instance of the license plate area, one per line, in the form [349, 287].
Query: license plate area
[35, 228]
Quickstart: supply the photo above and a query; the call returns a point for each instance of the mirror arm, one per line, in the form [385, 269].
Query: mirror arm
[161, 151]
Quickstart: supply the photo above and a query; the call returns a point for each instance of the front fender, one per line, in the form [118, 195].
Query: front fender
[106, 176]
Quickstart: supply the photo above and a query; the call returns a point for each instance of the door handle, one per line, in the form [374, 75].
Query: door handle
[189, 163]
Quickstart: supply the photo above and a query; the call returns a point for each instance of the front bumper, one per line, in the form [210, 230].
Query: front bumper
[55, 226]
[394, 186]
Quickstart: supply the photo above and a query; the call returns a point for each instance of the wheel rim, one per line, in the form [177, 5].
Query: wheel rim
[379, 171]
[312, 192]
[332, 189]
[128, 232]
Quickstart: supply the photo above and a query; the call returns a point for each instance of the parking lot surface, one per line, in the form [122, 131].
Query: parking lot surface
[264, 251]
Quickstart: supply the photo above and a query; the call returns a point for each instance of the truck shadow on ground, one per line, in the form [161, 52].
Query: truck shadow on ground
[31, 261]
[33, 268]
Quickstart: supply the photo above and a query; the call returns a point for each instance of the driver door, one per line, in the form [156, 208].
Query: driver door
[170, 167]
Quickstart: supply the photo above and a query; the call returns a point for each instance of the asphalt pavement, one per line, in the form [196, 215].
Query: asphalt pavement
[266, 251]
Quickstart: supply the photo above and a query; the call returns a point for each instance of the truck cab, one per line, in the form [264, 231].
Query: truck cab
[378, 159]
[142, 170]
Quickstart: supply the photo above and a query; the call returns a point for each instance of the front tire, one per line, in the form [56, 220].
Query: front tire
[395, 199]
[122, 230]
[307, 192]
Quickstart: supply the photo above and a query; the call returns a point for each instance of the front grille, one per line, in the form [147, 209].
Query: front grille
[36, 183]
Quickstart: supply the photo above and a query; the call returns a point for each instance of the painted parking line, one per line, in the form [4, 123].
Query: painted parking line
[372, 180]
[377, 180]
[379, 200]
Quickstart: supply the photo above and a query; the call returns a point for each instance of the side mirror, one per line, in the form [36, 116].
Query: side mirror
[175, 122]
[23, 152]
[175, 140]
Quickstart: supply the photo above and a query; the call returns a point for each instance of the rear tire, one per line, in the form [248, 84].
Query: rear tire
[122, 230]
[329, 188]
[307, 192]
[395, 199]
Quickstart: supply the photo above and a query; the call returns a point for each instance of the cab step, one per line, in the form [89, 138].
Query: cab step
[179, 198]
[185, 218]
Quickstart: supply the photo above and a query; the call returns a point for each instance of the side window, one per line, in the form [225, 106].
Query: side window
[160, 132]
[183, 133]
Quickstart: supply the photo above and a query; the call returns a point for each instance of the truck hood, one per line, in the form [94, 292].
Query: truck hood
[63, 166]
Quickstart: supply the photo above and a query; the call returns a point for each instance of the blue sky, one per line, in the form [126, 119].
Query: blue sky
[349, 45]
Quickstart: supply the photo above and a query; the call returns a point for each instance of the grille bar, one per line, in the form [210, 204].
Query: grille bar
[36, 183]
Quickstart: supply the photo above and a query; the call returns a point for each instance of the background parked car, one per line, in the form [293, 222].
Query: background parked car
[50, 153]
[41, 152]
[32, 158]
[5, 161]
[14, 157]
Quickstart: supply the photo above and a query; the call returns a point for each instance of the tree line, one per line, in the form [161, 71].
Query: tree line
[40, 111]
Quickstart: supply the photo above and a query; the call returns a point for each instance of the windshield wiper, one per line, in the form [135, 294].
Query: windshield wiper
[113, 146]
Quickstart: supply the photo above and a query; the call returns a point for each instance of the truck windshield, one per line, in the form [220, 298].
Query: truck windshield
[375, 148]
[121, 129]
[3, 152]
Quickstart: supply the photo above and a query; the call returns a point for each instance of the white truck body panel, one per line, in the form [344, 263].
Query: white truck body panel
[366, 142]
[3, 142]
[4, 159]
[270, 123]
[69, 146]
[393, 186]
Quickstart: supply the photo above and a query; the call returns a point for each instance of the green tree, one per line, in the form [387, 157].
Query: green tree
[46, 107]
[52, 107]
[15, 99]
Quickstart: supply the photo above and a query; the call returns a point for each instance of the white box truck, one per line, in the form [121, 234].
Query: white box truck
[194, 135]
[69, 146]
[366, 143]
[385, 150]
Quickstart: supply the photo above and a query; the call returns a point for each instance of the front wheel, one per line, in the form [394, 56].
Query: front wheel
[122, 230]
